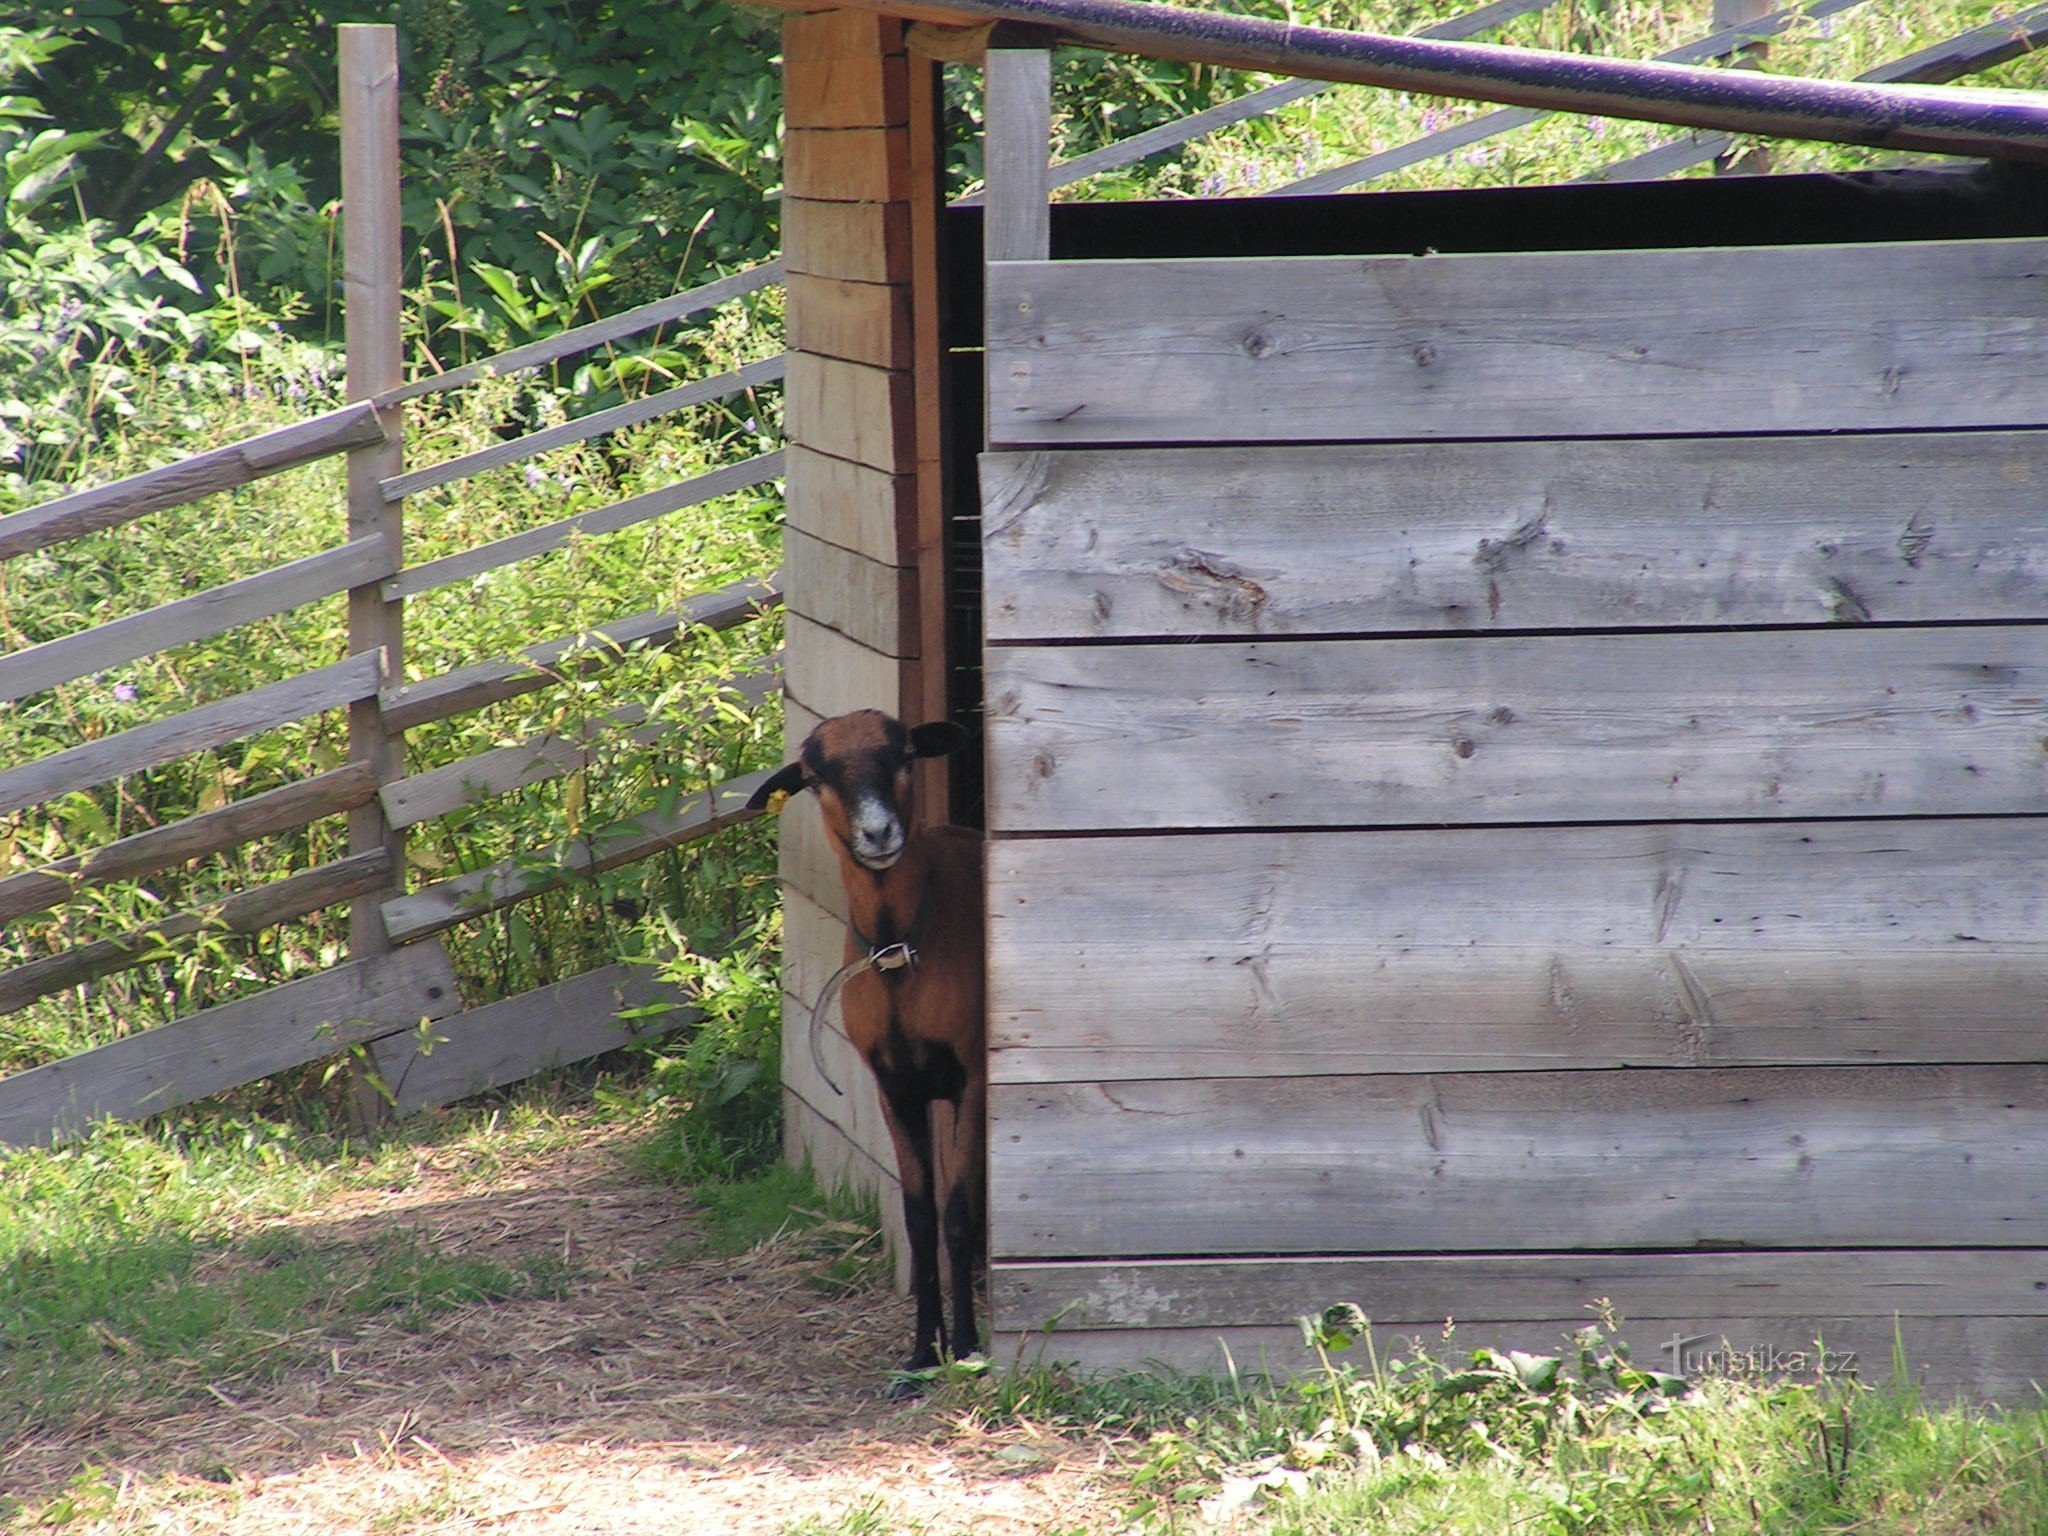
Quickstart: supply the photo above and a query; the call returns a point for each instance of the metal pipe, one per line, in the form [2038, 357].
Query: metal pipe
[2009, 125]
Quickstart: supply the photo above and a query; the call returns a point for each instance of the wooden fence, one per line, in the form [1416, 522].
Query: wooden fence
[397, 974]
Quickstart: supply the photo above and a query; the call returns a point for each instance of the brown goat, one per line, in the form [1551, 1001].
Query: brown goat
[913, 994]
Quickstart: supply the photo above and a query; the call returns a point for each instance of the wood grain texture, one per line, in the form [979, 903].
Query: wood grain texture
[509, 881]
[1765, 1157]
[1997, 1359]
[839, 34]
[1582, 343]
[725, 481]
[862, 92]
[39, 667]
[1017, 147]
[859, 322]
[831, 674]
[1457, 730]
[1538, 535]
[852, 411]
[545, 665]
[511, 1039]
[1306, 954]
[858, 242]
[208, 725]
[224, 1047]
[865, 600]
[846, 165]
[869, 511]
[228, 826]
[203, 474]
[250, 911]
[1421, 1291]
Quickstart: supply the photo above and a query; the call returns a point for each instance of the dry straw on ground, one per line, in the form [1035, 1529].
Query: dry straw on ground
[664, 1391]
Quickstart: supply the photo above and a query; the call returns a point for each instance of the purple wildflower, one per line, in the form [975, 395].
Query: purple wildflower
[534, 478]
[124, 693]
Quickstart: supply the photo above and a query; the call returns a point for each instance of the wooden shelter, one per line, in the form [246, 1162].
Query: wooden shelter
[1516, 722]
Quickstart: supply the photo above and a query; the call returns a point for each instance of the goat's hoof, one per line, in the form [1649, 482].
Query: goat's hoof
[905, 1389]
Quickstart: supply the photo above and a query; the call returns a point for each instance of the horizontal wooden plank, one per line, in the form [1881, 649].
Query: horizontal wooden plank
[1548, 344]
[1421, 1291]
[1982, 1359]
[852, 411]
[583, 428]
[1822, 722]
[858, 242]
[1126, 1009]
[513, 1038]
[1924, 887]
[543, 666]
[865, 600]
[620, 514]
[839, 34]
[1760, 1157]
[830, 674]
[868, 91]
[203, 474]
[228, 826]
[847, 165]
[449, 902]
[250, 911]
[451, 787]
[869, 511]
[193, 618]
[585, 338]
[1538, 535]
[224, 1047]
[1500, 949]
[860, 322]
[195, 730]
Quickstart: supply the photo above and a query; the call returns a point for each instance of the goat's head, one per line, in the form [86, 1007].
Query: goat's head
[860, 766]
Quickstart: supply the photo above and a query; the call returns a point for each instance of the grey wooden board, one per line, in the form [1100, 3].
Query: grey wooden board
[1540, 535]
[221, 1048]
[1491, 1288]
[218, 469]
[542, 666]
[584, 338]
[457, 900]
[2000, 1359]
[263, 906]
[453, 786]
[510, 1040]
[1548, 344]
[1413, 950]
[192, 618]
[1758, 1157]
[602, 520]
[1016, 145]
[207, 725]
[598, 423]
[228, 826]
[1833, 722]
[1128, 1009]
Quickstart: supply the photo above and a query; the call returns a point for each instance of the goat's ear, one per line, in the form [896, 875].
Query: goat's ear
[939, 738]
[785, 781]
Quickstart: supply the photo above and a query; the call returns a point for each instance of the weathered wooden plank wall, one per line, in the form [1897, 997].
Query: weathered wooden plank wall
[1559, 794]
[864, 580]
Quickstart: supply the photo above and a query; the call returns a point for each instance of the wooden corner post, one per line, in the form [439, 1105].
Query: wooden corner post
[1018, 153]
[371, 267]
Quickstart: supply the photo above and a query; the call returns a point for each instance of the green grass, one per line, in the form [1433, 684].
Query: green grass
[140, 1265]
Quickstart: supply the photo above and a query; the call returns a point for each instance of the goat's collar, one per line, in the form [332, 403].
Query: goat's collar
[902, 954]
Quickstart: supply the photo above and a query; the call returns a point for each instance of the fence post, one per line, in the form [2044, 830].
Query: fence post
[371, 267]
[1756, 160]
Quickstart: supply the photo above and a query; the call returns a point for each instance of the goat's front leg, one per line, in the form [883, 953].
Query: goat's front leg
[966, 1180]
[908, 1117]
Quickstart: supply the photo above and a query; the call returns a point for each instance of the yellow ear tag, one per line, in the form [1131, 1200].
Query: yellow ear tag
[777, 801]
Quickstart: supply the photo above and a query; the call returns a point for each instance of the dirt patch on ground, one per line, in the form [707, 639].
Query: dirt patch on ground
[663, 1391]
